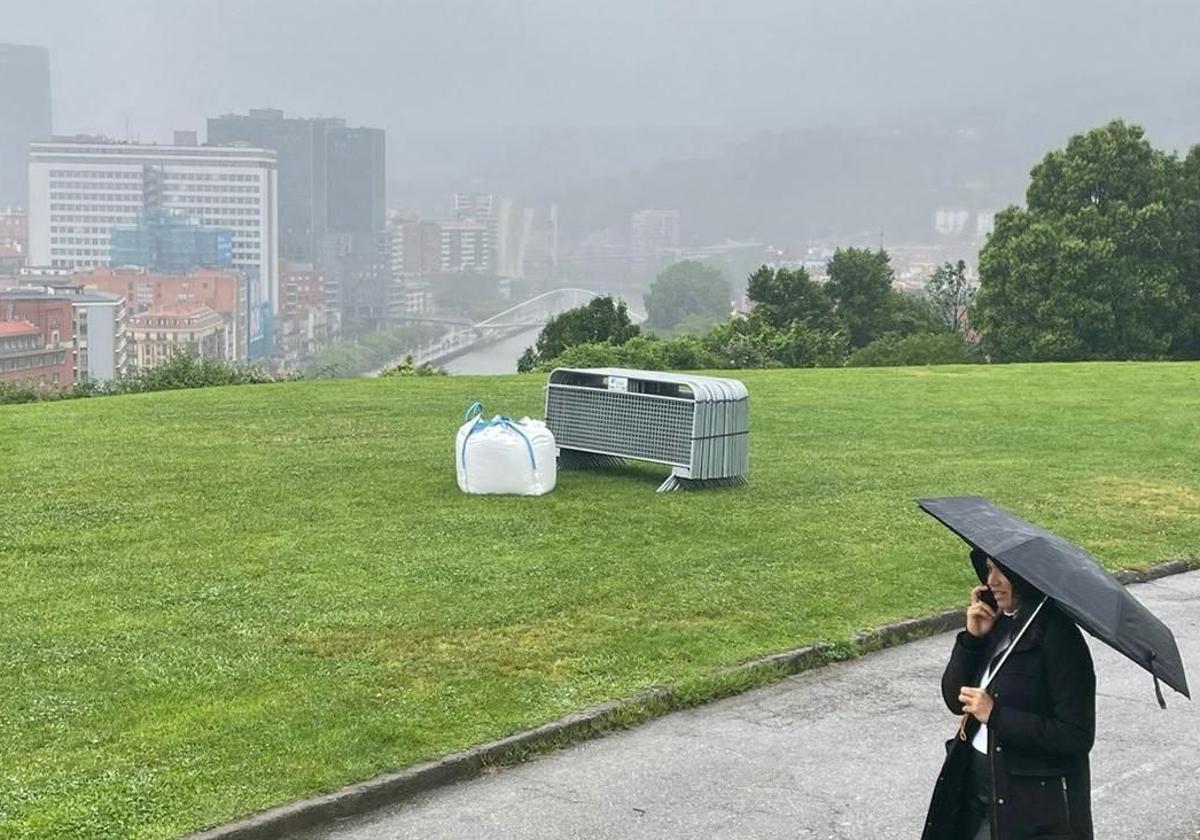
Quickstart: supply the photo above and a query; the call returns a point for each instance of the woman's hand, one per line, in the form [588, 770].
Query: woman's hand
[980, 617]
[977, 702]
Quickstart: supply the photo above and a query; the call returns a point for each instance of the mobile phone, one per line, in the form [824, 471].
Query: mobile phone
[988, 598]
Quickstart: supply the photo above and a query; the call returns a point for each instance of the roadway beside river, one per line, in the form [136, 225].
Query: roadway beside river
[493, 359]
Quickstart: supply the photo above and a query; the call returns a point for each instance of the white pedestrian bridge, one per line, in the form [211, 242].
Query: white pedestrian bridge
[464, 336]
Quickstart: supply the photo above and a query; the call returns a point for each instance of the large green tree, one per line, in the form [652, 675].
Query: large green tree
[688, 292]
[860, 284]
[603, 319]
[783, 296]
[1102, 262]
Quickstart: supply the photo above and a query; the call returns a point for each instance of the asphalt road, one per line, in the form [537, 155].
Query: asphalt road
[846, 751]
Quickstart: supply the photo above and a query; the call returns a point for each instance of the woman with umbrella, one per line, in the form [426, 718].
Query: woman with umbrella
[1021, 677]
[1019, 766]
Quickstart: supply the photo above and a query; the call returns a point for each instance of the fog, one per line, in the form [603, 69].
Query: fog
[547, 98]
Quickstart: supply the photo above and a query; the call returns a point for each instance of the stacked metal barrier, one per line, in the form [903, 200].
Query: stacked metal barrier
[698, 425]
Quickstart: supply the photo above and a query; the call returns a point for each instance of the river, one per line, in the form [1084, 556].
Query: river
[497, 358]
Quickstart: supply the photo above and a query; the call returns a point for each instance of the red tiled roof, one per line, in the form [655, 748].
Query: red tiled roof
[18, 328]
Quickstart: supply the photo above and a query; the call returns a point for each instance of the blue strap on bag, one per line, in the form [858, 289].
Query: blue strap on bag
[476, 410]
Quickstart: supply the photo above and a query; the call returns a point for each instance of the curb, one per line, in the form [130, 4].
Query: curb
[594, 721]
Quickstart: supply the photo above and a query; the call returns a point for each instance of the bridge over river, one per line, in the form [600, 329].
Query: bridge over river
[494, 344]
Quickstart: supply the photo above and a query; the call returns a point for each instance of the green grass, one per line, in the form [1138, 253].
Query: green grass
[215, 601]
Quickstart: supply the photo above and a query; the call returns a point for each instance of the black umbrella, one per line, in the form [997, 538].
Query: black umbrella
[1093, 598]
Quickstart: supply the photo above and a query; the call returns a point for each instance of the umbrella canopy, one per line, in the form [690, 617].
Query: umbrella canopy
[1089, 595]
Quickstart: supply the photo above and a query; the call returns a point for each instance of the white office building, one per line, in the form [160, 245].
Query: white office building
[80, 187]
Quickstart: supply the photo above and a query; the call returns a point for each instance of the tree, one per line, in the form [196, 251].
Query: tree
[859, 283]
[782, 296]
[951, 294]
[603, 319]
[687, 291]
[905, 313]
[1100, 265]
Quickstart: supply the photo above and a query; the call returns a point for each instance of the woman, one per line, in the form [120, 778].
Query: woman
[1019, 766]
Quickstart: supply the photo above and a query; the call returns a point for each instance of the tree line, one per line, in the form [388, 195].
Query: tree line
[855, 318]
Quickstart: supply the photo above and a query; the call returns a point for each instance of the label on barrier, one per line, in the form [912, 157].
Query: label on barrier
[618, 383]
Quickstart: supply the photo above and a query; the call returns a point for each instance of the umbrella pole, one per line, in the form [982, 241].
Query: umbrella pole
[962, 722]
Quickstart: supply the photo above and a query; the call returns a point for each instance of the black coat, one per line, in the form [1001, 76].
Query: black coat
[1040, 730]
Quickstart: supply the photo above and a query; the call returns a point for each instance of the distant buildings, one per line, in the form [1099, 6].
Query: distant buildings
[36, 337]
[332, 210]
[81, 188]
[488, 235]
[473, 206]
[469, 240]
[950, 221]
[956, 222]
[653, 242]
[170, 242]
[466, 245]
[306, 322]
[411, 298]
[985, 221]
[24, 115]
[14, 228]
[416, 247]
[25, 356]
[331, 178]
[357, 179]
[14, 236]
[145, 291]
[196, 330]
[12, 259]
[357, 268]
[51, 314]
[91, 324]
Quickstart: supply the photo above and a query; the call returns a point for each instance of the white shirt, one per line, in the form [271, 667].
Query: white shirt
[979, 742]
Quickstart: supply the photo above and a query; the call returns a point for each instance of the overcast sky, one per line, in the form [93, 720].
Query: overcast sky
[422, 67]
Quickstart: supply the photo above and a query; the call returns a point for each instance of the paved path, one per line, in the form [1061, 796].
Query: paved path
[847, 751]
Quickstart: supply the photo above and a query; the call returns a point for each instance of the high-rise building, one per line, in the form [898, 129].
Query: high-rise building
[171, 242]
[512, 229]
[331, 178]
[357, 268]
[357, 179]
[466, 246]
[81, 188]
[416, 247]
[474, 206]
[24, 115]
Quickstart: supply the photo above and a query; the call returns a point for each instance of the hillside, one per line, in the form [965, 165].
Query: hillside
[224, 599]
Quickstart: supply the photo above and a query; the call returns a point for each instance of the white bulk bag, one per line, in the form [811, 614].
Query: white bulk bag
[506, 456]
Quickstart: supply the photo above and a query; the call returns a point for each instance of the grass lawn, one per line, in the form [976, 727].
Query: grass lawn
[216, 601]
